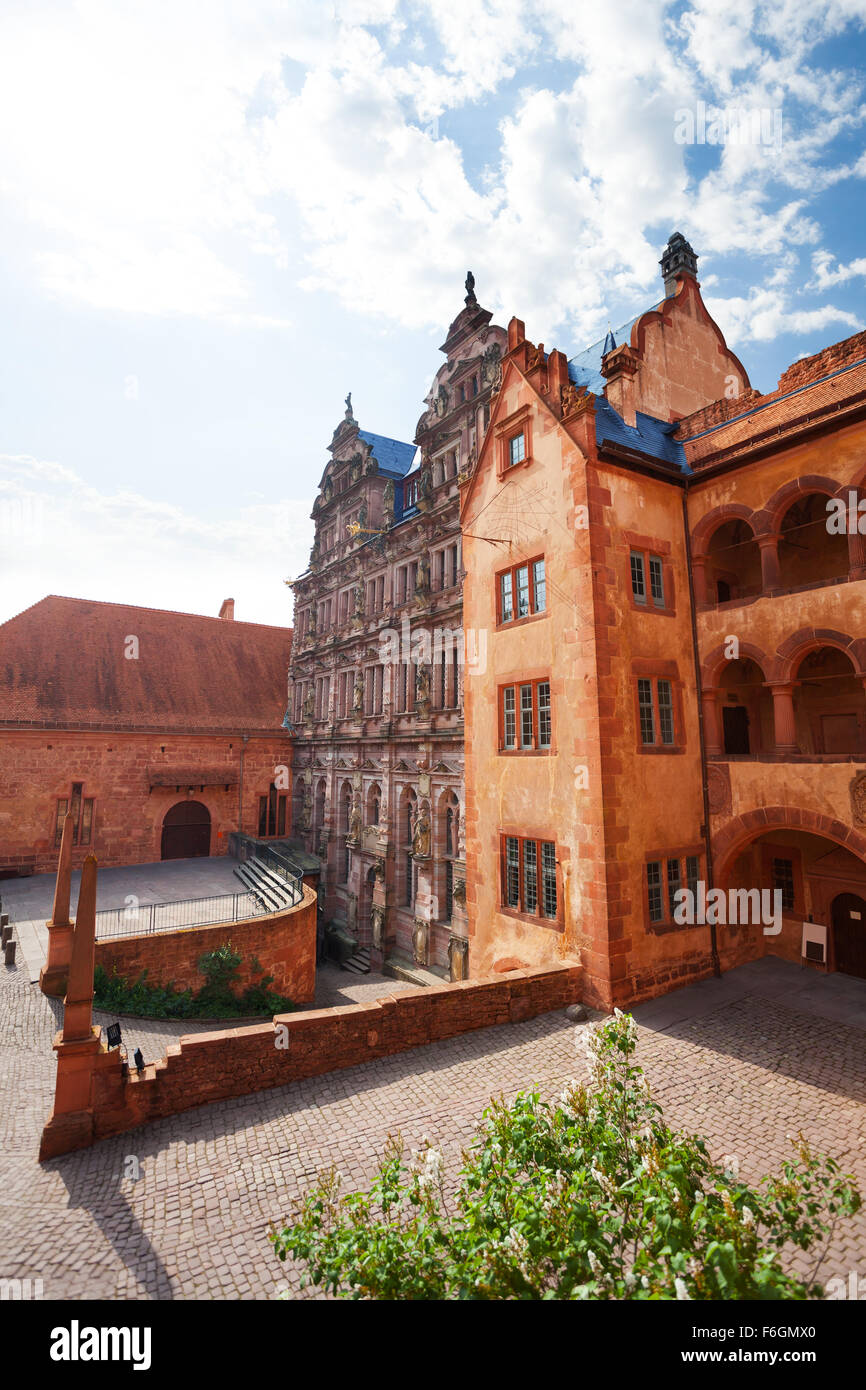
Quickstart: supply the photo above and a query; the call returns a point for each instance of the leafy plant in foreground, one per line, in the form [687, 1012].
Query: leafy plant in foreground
[592, 1197]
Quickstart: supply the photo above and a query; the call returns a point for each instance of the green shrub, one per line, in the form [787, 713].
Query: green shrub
[216, 998]
[593, 1197]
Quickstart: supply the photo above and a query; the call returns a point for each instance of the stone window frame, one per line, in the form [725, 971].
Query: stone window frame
[651, 547]
[86, 806]
[654, 671]
[534, 748]
[663, 857]
[519, 422]
[512, 569]
[542, 838]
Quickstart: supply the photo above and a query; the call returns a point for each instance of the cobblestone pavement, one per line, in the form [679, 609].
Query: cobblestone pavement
[746, 1060]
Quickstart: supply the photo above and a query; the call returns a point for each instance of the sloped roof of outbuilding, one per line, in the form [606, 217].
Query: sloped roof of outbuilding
[63, 665]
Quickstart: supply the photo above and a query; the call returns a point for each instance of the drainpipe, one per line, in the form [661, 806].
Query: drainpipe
[714, 947]
[245, 738]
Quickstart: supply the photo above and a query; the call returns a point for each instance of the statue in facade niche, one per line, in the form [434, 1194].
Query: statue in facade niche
[358, 695]
[421, 835]
[362, 516]
[420, 936]
[490, 363]
[355, 823]
[425, 479]
[388, 499]
[422, 684]
[458, 955]
[422, 576]
[377, 922]
[358, 600]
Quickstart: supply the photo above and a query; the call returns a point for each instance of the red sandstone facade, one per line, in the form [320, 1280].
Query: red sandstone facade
[161, 732]
[681, 700]
[377, 671]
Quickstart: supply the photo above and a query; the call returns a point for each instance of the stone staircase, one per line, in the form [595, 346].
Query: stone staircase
[271, 891]
[359, 963]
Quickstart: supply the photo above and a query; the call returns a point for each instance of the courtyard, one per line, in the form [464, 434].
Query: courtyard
[765, 1051]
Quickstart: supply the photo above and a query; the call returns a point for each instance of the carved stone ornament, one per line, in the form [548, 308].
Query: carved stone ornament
[858, 798]
[377, 922]
[490, 363]
[420, 941]
[719, 790]
[458, 958]
[459, 892]
[421, 835]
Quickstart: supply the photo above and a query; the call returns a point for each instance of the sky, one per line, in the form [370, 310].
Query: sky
[215, 220]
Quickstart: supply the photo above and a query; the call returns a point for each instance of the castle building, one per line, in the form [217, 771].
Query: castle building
[377, 668]
[671, 570]
[160, 732]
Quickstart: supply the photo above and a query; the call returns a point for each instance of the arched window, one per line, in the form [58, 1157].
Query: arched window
[829, 705]
[808, 551]
[345, 816]
[449, 812]
[733, 563]
[408, 806]
[374, 800]
[272, 813]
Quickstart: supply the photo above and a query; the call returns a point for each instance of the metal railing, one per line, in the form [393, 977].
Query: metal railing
[146, 919]
[280, 866]
[150, 918]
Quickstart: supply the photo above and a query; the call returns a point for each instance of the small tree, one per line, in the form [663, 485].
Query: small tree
[594, 1197]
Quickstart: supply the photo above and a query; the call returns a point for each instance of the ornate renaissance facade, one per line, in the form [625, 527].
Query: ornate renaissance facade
[376, 676]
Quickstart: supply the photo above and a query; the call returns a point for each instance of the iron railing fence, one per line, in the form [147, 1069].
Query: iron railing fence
[148, 918]
[145, 919]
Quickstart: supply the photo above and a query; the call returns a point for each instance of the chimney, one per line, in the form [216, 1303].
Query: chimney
[228, 609]
[678, 259]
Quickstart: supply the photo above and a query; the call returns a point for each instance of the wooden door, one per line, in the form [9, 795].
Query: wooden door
[849, 934]
[186, 831]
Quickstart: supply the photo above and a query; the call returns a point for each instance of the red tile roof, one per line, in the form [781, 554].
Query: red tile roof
[814, 389]
[63, 664]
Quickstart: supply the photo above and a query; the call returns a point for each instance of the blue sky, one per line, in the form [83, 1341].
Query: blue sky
[218, 220]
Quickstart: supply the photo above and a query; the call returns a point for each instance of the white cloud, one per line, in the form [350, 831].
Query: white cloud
[160, 161]
[59, 535]
[825, 274]
[765, 313]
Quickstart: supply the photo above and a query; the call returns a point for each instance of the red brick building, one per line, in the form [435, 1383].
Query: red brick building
[674, 693]
[162, 732]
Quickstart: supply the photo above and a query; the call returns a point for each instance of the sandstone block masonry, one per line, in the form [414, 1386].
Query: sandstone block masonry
[283, 944]
[215, 1066]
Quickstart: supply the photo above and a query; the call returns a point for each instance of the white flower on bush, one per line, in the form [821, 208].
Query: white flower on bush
[683, 1295]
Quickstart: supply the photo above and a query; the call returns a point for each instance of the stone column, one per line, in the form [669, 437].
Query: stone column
[770, 576]
[712, 733]
[699, 577]
[783, 718]
[78, 1044]
[53, 975]
[856, 555]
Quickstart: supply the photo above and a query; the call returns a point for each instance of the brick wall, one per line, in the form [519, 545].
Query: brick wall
[39, 766]
[215, 1066]
[284, 944]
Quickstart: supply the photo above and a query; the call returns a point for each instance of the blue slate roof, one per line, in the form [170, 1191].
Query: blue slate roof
[585, 368]
[647, 435]
[392, 455]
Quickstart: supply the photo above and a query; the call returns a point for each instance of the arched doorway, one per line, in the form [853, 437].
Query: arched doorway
[186, 831]
[849, 934]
